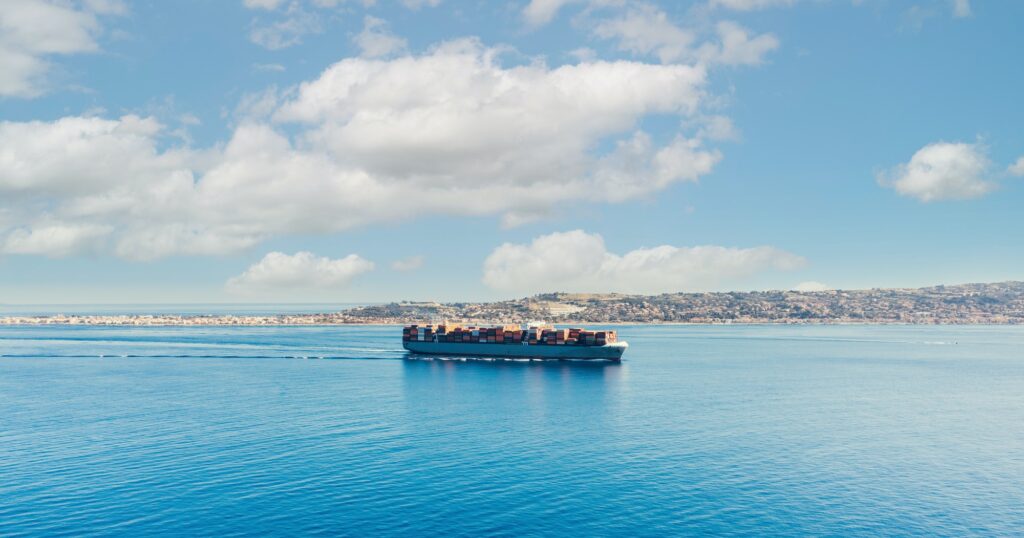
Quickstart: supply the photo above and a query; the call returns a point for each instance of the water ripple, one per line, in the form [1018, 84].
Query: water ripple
[848, 431]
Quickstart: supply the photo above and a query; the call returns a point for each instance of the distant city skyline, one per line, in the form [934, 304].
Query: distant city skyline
[367, 151]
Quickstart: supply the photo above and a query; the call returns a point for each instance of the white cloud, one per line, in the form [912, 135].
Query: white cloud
[31, 31]
[408, 264]
[682, 160]
[258, 106]
[451, 132]
[579, 262]
[719, 128]
[287, 31]
[455, 122]
[55, 240]
[268, 5]
[645, 29]
[811, 286]
[736, 47]
[271, 5]
[376, 40]
[106, 7]
[584, 54]
[287, 22]
[77, 155]
[961, 8]
[750, 5]
[90, 174]
[540, 12]
[417, 4]
[336, 3]
[942, 171]
[278, 272]
[1017, 168]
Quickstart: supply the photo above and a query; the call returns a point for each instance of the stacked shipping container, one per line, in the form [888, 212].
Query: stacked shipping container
[507, 334]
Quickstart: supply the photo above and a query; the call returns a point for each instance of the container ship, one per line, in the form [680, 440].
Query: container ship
[512, 341]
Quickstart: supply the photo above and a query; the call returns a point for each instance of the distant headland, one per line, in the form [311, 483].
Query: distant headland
[995, 303]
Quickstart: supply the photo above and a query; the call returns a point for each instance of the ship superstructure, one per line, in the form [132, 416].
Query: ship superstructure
[513, 341]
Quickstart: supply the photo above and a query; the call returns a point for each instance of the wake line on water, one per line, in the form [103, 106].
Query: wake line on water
[143, 342]
[420, 358]
[168, 356]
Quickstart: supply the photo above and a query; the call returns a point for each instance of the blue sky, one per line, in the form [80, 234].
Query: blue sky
[330, 150]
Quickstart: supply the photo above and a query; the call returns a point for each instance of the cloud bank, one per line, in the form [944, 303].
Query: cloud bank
[577, 261]
[279, 272]
[450, 132]
[31, 31]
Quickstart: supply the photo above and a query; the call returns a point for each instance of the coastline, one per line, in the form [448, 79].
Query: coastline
[1000, 303]
[225, 321]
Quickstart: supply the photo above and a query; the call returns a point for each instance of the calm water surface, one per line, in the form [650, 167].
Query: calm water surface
[322, 430]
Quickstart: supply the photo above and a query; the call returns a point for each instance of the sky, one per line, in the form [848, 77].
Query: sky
[365, 151]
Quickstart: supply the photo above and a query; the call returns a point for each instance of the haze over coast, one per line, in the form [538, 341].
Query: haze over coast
[993, 303]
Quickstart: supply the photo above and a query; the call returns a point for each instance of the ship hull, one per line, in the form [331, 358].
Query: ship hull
[609, 352]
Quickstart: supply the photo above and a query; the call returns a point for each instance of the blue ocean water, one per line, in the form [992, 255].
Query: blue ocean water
[724, 430]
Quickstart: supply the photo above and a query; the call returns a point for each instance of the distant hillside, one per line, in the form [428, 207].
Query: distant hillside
[1001, 303]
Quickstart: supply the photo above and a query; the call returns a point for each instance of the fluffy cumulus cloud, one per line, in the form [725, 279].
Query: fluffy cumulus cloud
[452, 131]
[67, 184]
[577, 261]
[942, 171]
[33, 31]
[644, 29]
[458, 132]
[279, 272]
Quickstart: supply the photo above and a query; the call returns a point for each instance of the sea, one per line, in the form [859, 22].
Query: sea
[727, 430]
